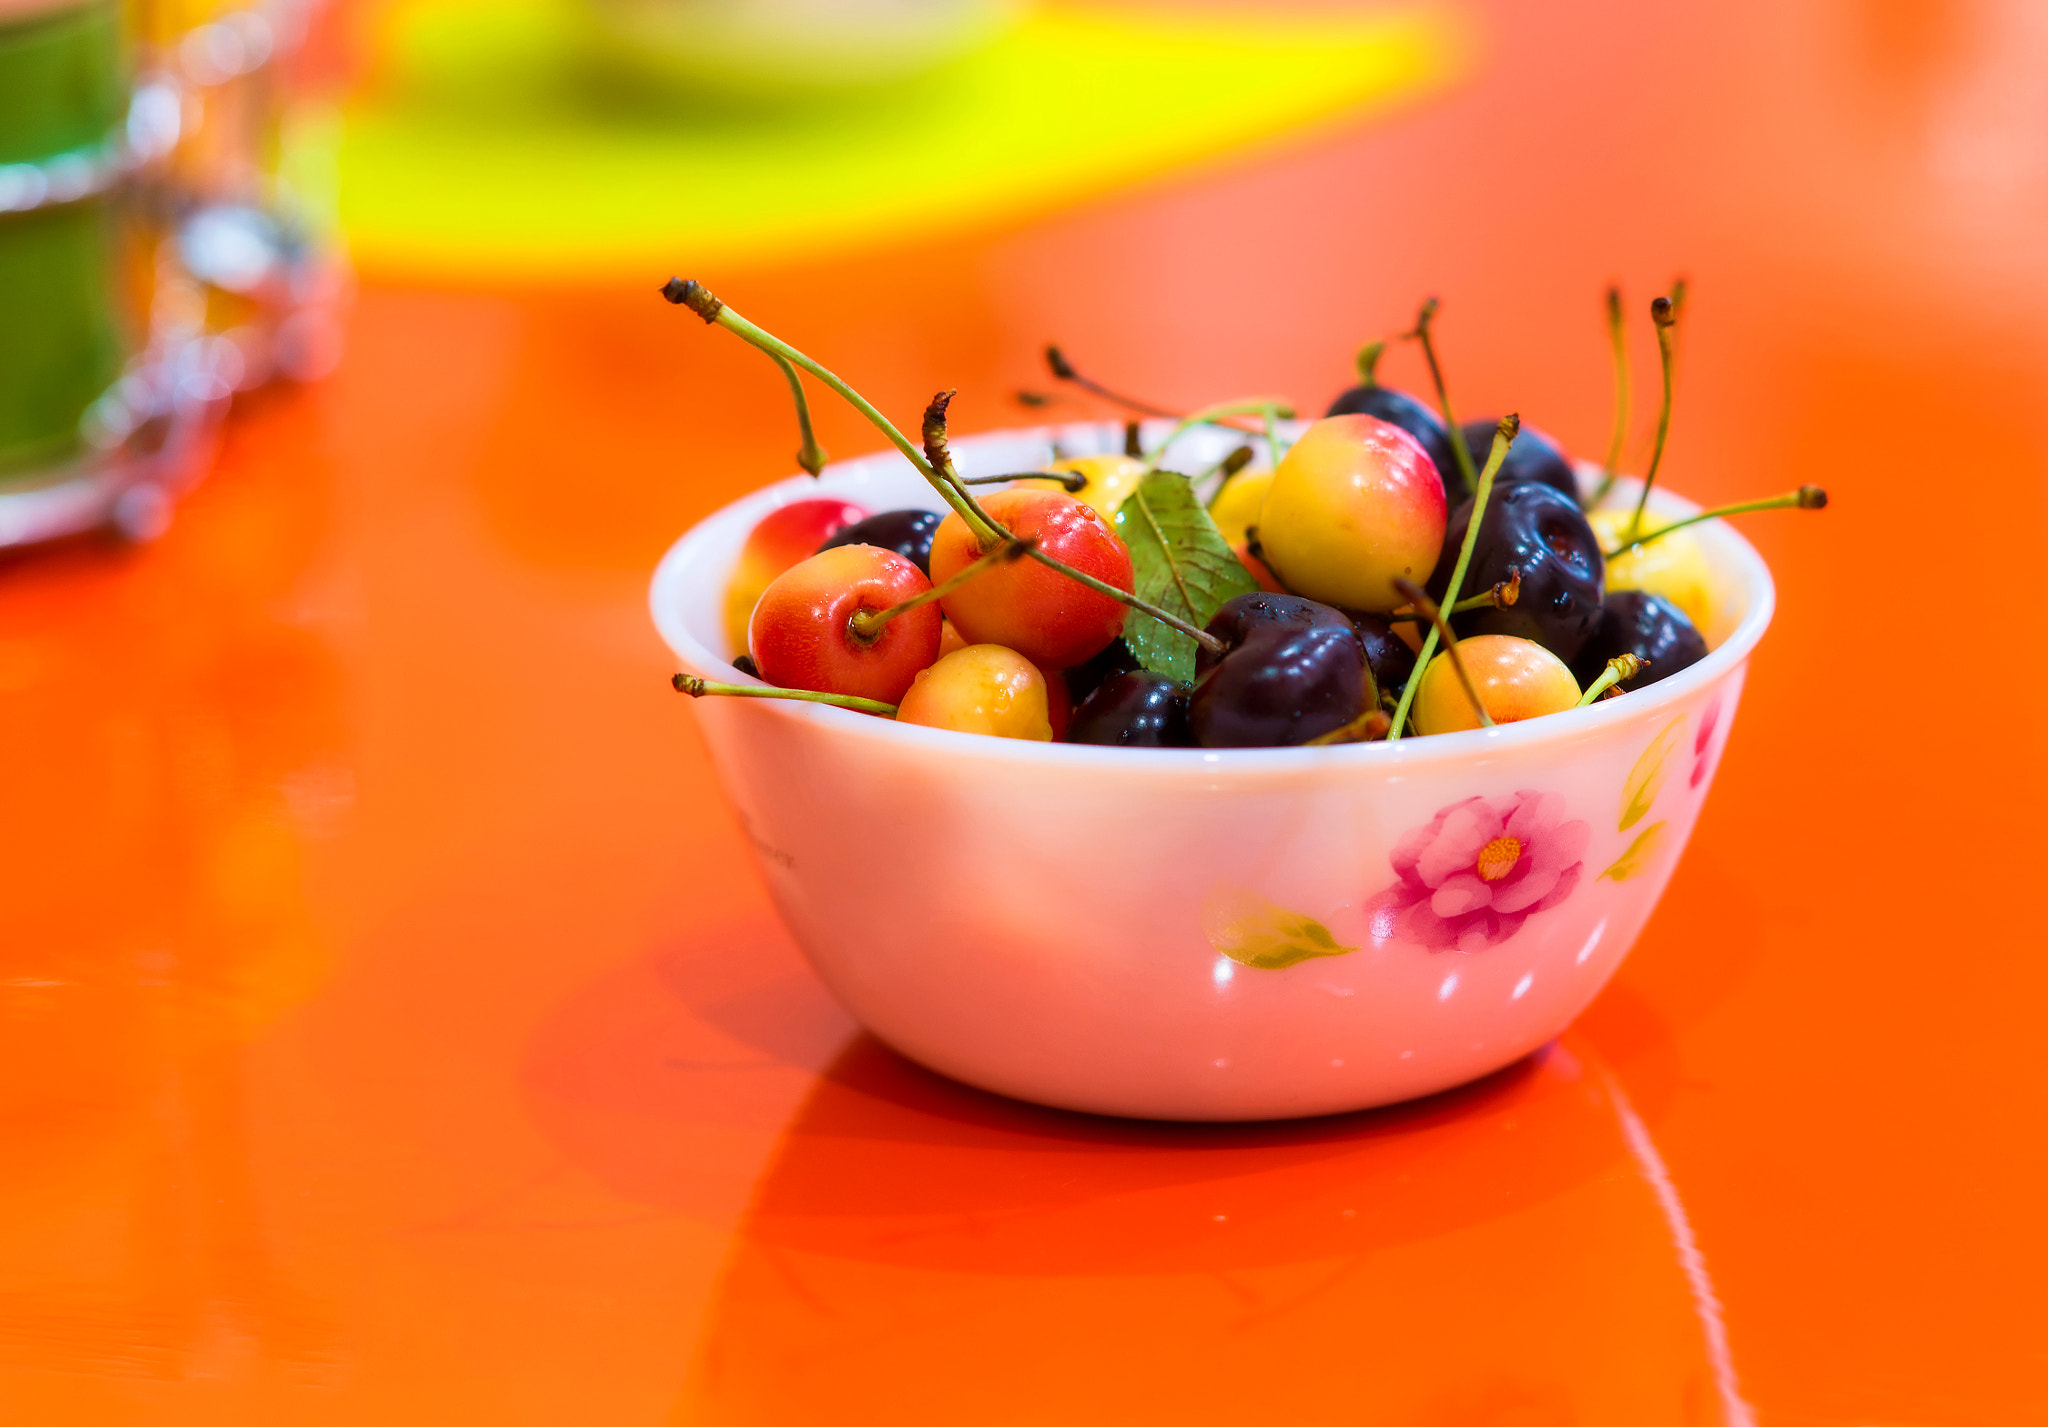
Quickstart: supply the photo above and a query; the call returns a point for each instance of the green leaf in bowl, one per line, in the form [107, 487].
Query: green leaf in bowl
[1181, 563]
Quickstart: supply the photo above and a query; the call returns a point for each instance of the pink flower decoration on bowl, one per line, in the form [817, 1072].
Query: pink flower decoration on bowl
[1479, 870]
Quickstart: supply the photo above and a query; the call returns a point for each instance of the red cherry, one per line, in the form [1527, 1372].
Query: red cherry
[784, 536]
[1051, 620]
[802, 634]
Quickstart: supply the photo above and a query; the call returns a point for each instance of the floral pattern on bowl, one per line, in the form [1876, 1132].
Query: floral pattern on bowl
[1478, 870]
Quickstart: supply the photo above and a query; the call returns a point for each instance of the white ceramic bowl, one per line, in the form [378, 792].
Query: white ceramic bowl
[1105, 929]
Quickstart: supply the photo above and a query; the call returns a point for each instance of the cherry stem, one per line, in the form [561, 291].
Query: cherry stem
[940, 456]
[812, 456]
[1805, 498]
[1441, 627]
[1071, 480]
[934, 462]
[1664, 316]
[1227, 469]
[1617, 337]
[698, 688]
[1064, 370]
[1503, 437]
[1622, 666]
[867, 624]
[1462, 456]
[699, 299]
[1501, 596]
[1369, 362]
[1270, 408]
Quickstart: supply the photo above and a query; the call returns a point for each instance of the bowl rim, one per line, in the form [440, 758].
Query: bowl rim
[1468, 747]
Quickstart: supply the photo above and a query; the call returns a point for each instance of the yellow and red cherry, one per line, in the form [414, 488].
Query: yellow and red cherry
[1515, 679]
[1236, 507]
[1355, 504]
[1106, 481]
[1023, 605]
[804, 633]
[983, 688]
[1672, 566]
[784, 536]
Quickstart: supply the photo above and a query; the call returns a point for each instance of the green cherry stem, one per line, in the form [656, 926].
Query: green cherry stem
[1503, 437]
[1368, 362]
[1501, 596]
[1226, 468]
[1664, 316]
[1423, 319]
[1070, 480]
[1416, 596]
[698, 688]
[867, 624]
[700, 300]
[1617, 338]
[1057, 362]
[1620, 667]
[1805, 498]
[940, 456]
[812, 456]
[1270, 408]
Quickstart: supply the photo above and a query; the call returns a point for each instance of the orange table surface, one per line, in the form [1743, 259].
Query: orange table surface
[393, 1028]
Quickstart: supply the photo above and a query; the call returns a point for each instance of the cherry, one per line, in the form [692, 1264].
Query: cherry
[1533, 457]
[1390, 657]
[1292, 670]
[1515, 679]
[804, 632]
[1085, 678]
[1648, 626]
[1674, 566]
[983, 688]
[1135, 710]
[1397, 408]
[907, 532]
[1106, 481]
[1539, 532]
[1355, 504]
[1048, 618]
[783, 537]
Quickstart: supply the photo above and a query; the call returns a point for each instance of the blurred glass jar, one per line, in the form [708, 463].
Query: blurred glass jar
[775, 49]
[63, 95]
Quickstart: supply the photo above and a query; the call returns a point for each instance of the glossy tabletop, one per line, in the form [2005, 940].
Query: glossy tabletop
[394, 1029]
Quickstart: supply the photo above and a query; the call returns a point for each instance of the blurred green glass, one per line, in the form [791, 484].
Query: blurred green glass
[62, 87]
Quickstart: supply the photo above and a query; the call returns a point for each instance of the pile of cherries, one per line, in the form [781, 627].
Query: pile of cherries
[1381, 611]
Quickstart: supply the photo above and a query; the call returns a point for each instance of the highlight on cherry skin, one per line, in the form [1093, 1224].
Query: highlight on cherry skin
[1039, 612]
[806, 628]
[784, 536]
[983, 688]
[1354, 505]
[1515, 679]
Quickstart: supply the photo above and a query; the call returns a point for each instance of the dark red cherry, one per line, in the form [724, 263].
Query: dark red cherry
[1397, 408]
[1134, 710]
[1386, 652]
[1539, 531]
[1293, 669]
[1533, 457]
[1085, 678]
[1647, 626]
[907, 532]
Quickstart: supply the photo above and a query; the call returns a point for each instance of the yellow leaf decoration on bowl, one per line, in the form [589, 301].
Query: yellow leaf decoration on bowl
[1638, 855]
[1646, 779]
[1256, 931]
